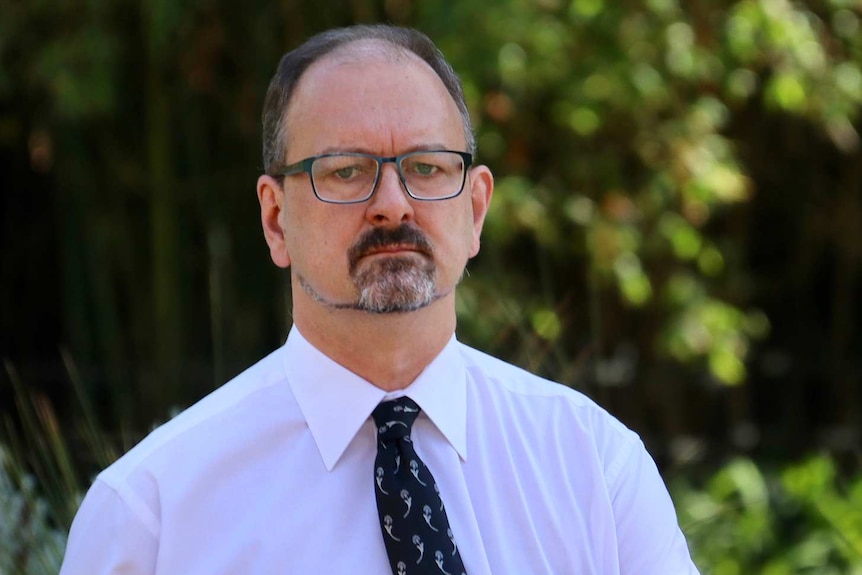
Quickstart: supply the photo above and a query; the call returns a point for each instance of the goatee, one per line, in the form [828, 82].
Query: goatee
[394, 284]
[388, 284]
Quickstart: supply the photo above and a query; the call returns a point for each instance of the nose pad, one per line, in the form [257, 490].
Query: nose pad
[390, 201]
[389, 176]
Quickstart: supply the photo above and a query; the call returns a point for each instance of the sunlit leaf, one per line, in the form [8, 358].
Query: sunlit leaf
[546, 324]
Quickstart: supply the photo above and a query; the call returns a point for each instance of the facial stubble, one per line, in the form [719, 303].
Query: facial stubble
[388, 283]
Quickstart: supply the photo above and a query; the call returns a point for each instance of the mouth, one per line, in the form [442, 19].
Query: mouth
[394, 249]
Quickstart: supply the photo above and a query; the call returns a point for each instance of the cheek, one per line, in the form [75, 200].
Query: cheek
[321, 238]
[456, 237]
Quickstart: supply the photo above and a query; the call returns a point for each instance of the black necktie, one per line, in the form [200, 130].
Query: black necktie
[415, 528]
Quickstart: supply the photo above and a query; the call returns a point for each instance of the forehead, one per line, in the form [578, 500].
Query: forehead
[371, 96]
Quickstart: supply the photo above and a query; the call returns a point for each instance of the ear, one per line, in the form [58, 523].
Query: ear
[271, 198]
[481, 182]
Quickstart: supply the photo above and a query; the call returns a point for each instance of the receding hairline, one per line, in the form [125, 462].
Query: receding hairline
[359, 43]
[364, 51]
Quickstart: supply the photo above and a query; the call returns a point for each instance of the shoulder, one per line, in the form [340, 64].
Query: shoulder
[545, 409]
[209, 421]
[516, 380]
[501, 378]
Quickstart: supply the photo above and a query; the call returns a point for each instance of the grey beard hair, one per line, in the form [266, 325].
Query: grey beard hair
[395, 285]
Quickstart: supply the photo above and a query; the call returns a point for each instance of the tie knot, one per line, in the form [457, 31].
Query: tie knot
[395, 418]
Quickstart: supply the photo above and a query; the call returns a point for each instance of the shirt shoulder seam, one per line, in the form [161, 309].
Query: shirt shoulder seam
[135, 505]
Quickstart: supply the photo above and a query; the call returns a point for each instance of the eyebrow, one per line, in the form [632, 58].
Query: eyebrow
[358, 150]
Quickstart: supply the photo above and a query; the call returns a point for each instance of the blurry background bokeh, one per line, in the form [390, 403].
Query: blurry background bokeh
[676, 232]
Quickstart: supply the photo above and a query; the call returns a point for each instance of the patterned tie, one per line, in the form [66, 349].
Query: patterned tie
[415, 528]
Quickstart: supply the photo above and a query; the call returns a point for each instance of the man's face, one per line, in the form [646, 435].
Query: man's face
[391, 253]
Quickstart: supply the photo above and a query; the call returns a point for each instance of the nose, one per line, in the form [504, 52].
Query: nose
[390, 204]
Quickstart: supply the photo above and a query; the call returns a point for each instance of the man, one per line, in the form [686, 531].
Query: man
[304, 463]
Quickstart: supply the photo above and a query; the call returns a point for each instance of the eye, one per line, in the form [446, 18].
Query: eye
[430, 165]
[343, 168]
[346, 172]
[424, 169]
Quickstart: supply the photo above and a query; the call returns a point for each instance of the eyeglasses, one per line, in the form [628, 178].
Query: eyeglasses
[351, 178]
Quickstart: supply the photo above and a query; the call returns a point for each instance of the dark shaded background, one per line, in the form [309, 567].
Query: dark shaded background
[133, 262]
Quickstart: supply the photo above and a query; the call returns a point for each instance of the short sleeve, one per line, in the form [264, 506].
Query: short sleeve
[108, 538]
[648, 534]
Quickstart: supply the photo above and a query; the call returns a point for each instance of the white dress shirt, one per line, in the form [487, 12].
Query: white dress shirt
[273, 474]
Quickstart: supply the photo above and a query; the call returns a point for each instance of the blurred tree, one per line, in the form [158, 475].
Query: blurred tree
[630, 138]
[677, 209]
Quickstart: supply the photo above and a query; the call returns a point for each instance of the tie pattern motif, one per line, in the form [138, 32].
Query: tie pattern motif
[413, 520]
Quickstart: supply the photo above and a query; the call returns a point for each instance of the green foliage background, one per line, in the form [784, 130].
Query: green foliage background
[676, 231]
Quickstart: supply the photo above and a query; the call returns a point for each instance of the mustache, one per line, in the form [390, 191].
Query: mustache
[378, 238]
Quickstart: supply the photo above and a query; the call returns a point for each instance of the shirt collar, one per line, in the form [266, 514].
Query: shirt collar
[336, 402]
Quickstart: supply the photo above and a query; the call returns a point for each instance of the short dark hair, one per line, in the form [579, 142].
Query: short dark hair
[296, 62]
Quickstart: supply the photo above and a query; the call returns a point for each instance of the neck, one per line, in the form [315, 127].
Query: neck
[388, 350]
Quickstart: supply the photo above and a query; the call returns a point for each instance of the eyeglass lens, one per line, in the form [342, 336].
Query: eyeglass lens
[344, 178]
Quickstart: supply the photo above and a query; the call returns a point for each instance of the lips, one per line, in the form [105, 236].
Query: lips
[392, 249]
